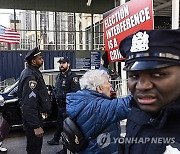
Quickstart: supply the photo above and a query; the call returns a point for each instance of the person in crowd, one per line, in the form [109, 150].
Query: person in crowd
[153, 66]
[95, 112]
[34, 100]
[104, 63]
[4, 127]
[114, 75]
[66, 82]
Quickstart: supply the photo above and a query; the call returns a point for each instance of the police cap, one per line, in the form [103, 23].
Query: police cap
[150, 49]
[63, 59]
[32, 54]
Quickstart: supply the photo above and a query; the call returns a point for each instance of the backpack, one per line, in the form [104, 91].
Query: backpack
[72, 136]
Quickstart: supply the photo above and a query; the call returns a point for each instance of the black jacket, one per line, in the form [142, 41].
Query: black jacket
[150, 135]
[65, 83]
[33, 97]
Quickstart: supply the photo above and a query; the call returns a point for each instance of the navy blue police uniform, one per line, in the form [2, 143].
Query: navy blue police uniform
[66, 82]
[146, 50]
[34, 100]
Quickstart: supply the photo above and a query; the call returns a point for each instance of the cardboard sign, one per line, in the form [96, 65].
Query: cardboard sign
[124, 20]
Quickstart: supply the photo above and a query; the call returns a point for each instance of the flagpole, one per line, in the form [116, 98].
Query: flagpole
[15, 25]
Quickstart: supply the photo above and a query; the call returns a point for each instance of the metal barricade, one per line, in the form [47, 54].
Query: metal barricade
[69, 152]
[120, 86]
[6, 83]
[3, 85]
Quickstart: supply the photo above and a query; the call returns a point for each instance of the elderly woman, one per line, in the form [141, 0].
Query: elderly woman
[96, 112]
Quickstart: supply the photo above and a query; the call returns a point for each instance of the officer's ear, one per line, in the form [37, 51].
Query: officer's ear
[33, 61]
[68, 64]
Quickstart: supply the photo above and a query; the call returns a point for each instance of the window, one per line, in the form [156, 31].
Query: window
[53, 30]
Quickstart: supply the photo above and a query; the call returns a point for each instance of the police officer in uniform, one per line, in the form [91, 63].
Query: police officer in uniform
[153, 66]
[34, 101]
[66, 82]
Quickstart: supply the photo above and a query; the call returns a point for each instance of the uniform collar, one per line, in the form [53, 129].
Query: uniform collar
[35, 69]
[142, 118]
[65, 73]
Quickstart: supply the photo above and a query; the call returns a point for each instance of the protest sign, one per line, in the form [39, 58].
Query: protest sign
[124, 20]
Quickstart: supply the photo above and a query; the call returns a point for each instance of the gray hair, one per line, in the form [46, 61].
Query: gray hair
[93, 78]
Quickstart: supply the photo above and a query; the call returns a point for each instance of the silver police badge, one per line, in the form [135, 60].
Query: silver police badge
[140, 42]
[75, 79]
[32, 84]
[64, 83]
[61, 58]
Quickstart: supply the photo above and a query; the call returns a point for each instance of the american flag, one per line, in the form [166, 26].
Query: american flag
[9, 36]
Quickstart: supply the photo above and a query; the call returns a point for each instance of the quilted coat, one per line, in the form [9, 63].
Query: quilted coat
[97, 113]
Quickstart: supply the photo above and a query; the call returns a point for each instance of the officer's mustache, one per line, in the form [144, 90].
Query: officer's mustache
[63, 68]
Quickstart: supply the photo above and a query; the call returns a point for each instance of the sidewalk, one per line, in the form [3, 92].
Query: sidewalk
[16, 142]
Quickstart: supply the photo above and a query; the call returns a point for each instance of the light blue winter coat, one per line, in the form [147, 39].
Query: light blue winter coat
[95, 112]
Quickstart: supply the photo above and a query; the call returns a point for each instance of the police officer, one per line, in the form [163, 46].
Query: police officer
[153, 66]
[66, 82]
[34, 100]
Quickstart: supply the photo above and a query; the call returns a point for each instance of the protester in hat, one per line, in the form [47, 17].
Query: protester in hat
[66, 82]
[97, 114]
[34, 100]
[114, 75]
[153, 66]
[104, 63]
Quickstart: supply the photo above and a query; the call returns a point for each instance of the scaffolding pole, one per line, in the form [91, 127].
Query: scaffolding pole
[123, 73]
[175, 14]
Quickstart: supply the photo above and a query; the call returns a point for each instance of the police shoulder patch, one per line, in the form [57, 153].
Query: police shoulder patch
[32, 94]
[75, 79]
[32, 84]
